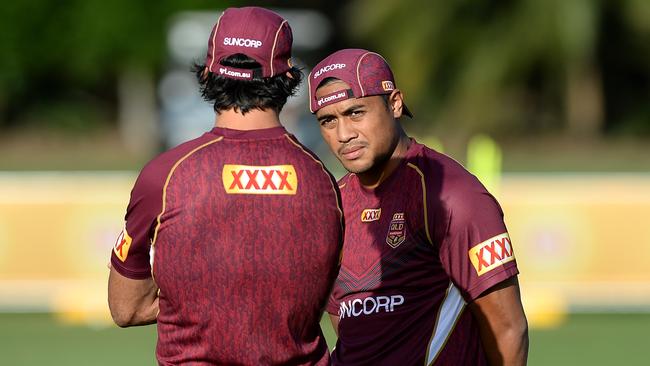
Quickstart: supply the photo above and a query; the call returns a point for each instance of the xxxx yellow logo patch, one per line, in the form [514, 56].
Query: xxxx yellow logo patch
[122, 245]
[370, 214]
[246, 179]
[491, 253]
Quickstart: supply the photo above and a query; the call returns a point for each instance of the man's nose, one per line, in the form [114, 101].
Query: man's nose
[345, 130]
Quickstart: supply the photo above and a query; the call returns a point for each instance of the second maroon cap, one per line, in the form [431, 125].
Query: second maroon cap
[367, 73]
[255, 32]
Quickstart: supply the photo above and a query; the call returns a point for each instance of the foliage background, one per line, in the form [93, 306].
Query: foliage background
[562, 85]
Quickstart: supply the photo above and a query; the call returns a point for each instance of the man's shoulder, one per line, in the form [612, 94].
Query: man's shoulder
[305, 160]
[434, 164]
[444, 174]
[156, 171]
[302, 152]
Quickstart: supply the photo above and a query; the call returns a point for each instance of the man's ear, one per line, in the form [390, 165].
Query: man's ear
[396, 103]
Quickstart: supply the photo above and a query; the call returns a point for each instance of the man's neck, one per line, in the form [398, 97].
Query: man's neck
[255, 119]
[374, 177]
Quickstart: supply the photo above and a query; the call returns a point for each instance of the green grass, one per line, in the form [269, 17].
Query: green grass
[594, 339]
[38, 339]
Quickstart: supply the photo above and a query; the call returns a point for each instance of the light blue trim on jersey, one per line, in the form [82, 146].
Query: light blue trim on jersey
[450, 310]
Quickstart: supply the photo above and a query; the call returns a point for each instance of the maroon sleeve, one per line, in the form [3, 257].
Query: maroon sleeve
[476, 250]
[130, 256]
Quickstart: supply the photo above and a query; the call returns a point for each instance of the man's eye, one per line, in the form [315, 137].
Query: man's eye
[356, 113]
[327, 122]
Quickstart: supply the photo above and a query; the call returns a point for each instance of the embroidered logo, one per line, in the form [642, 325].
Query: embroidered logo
[370, 214]
[491, 253]
[122, 245]
[332, 98]
[396, 230]
[245, 179]
[242, 42]
[328, 68]
[387, 85]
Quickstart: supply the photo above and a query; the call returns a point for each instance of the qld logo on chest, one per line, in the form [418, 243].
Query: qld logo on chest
[247, 179]
[396, 230]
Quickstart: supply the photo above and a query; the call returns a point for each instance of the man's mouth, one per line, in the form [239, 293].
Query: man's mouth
[351, 152]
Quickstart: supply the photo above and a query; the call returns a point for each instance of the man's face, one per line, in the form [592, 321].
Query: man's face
[361, 132]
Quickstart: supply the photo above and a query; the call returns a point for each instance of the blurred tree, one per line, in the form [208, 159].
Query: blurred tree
[73, 51]
[624, 55]
[504, 66]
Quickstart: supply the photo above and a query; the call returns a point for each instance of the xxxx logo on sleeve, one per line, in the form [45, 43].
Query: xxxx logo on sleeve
[491, 253]
[122, 245]
[246, 179]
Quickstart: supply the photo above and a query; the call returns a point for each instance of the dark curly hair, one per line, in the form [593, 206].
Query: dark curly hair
[246, 95]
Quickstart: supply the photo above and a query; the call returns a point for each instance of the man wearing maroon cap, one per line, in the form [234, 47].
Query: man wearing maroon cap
[428, 274]
[232, 240]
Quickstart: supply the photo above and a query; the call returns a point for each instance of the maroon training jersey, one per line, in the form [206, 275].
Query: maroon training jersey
[417, 249]
[244, 230]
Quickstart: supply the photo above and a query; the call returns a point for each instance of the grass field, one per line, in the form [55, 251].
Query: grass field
[38, 339]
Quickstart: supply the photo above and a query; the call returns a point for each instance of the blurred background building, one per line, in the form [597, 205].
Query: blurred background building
[547, 101]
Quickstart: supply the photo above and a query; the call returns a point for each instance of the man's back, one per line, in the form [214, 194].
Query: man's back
[245, 248]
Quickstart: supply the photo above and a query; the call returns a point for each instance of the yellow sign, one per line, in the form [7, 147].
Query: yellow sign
[57, 232]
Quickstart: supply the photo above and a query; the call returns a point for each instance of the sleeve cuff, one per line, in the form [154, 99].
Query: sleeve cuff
[495, 278]
[128, 273]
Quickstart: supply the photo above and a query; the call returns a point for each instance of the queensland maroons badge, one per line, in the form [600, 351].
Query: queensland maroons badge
[396, 230]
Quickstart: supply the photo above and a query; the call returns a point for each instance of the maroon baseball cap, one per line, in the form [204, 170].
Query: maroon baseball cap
[257, 33]
[367, 73]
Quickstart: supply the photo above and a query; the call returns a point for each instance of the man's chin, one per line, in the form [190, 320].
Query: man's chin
[355, 167]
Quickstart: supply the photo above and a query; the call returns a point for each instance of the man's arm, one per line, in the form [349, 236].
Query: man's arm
[502, 324]
[132, 302]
